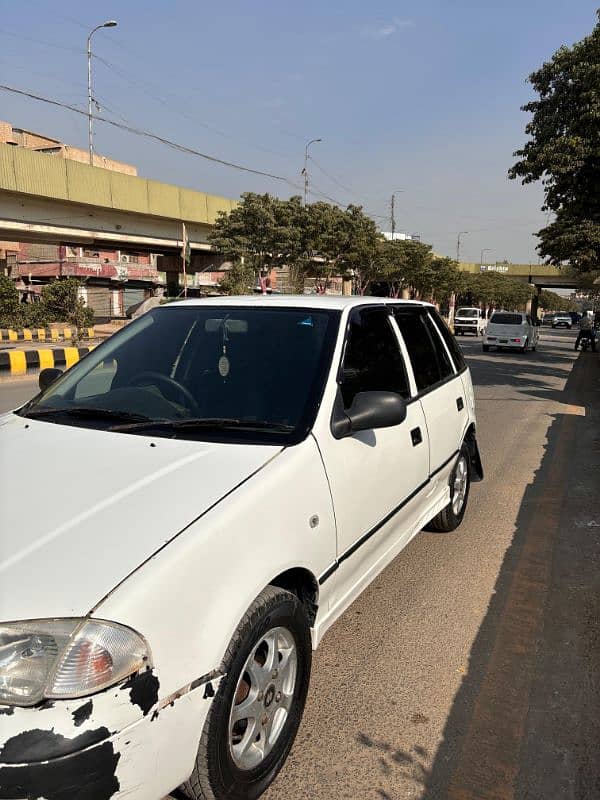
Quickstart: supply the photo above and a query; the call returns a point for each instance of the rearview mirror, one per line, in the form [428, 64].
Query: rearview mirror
[369, 410]
[231, 325]
[47, 377]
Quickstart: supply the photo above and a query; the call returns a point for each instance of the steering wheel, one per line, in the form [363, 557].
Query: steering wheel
[158, 379]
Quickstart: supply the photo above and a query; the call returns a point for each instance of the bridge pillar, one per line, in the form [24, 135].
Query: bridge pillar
[533, 304]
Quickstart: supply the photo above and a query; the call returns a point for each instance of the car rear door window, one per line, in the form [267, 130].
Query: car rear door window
[372, 357]
[451, 343]
[428, 357]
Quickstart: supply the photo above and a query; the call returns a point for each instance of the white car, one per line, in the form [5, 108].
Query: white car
[184, 514]
[562, 321]
[513, 330]
[469, 320]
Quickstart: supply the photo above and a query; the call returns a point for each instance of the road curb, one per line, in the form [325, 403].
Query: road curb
[19, 362]
[41, 334]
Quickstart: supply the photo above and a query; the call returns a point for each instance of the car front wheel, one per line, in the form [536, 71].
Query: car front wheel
[257, 710]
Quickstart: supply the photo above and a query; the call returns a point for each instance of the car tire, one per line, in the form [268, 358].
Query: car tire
[450, 517]
[486, 348]
[222, 771]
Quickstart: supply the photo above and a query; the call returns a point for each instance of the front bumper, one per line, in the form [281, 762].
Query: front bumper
[101, 747]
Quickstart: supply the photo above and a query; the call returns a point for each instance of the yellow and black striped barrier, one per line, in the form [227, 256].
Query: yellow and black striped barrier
[18, 362]
[42, 334]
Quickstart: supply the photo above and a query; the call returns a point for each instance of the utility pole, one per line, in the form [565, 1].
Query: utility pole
[305, 170]
[392, 211]
[461, 233]
[108, 24]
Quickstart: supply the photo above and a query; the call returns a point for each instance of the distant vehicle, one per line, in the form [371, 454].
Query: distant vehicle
[562, 321]
[548, 318]
[513, 330]
[469, 320]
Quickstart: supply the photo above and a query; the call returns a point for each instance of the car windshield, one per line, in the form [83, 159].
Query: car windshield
[192, 371]
[506, 319]
[467, 312]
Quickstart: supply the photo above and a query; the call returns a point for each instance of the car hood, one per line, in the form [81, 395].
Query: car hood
[80, 509]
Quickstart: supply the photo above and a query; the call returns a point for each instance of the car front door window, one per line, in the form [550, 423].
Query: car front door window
[372, 357]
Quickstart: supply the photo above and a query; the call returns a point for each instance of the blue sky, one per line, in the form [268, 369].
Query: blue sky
[422, 97]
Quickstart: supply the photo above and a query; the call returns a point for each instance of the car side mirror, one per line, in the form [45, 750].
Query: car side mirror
[47, 377]
[369, 410]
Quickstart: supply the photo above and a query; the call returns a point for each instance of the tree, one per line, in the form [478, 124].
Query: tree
[239, 279]
[9, 302]
[361, 248]
[563, 152]
[266, 232]
[63, 304]
[550, 301]
[495, 290]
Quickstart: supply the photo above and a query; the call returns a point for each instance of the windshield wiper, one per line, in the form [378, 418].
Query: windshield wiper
[87, 412]
[199, 423]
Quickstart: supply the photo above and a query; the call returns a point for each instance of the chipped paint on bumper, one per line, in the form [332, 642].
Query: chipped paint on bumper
[66, 750]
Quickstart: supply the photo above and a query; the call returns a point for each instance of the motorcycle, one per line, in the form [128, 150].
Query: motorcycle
[587, 339]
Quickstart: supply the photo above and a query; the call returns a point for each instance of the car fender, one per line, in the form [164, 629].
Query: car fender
[188, 599]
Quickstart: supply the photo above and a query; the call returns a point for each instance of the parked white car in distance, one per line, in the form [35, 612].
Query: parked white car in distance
[469, 320]
[512, 330]
[239, 470]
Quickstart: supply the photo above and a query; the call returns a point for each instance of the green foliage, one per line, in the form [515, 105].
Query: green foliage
[496, 290]
[322, 241]
[239, 279]
[9, 302]
[563, 152]
[550, 301]
[63, 304]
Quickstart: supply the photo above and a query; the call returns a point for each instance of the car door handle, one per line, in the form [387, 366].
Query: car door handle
[460, 403]
[416, 436]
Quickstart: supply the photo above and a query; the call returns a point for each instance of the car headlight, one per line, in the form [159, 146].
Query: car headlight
[65, 658]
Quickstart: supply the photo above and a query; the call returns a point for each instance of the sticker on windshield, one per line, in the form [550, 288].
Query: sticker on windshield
[308, 322]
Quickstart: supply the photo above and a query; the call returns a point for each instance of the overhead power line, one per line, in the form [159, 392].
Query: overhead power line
[149, 135]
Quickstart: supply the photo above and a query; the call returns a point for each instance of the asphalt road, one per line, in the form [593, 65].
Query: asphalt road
[404, 684]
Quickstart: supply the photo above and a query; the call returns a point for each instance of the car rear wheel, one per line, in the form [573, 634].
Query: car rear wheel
[256, 712]
[486, 348]
[450, 517]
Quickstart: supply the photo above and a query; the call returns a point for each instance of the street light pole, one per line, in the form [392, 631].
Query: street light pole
[461, 233]
[108, 24]
[305, 170]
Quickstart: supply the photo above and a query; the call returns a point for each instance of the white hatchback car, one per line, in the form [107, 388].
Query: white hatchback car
[184, 514]
[513, 330]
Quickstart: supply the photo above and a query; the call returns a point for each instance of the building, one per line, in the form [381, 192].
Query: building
[412, 237]
[19, 137]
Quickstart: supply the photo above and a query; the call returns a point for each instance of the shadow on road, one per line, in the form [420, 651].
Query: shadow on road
[525, 722]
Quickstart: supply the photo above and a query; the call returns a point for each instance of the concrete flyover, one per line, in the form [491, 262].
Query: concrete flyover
[542, 276]
[47, 199]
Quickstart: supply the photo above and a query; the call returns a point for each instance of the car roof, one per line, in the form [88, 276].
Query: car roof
[333, 302]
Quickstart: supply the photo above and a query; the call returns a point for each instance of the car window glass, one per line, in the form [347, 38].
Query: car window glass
[451, 342]
[420, 347]
[98, 381]
[506, 319]
[372, 357]
[444, 361]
